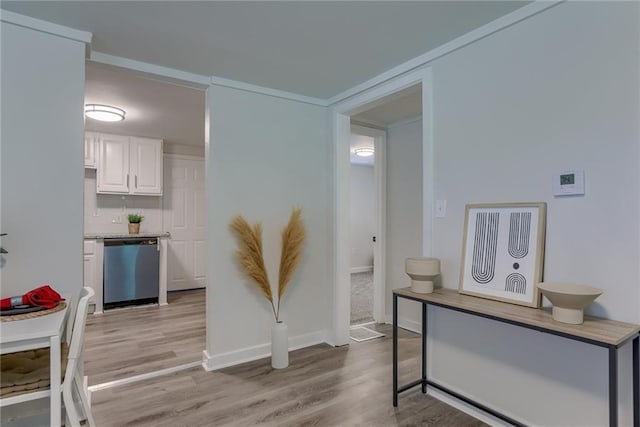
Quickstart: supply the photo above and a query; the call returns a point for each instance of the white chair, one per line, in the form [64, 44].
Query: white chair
[72, 374]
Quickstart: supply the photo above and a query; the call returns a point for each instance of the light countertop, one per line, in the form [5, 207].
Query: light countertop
[91, 236]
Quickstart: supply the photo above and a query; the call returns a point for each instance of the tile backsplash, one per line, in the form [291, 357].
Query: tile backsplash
[103, 211]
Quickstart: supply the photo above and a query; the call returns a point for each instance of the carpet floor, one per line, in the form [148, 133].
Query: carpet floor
[361, 297]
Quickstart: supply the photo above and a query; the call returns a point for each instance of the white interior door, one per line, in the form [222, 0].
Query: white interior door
[185, 218]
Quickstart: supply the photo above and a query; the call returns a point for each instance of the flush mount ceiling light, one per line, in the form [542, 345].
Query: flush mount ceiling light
[104, 113]
[363, 151]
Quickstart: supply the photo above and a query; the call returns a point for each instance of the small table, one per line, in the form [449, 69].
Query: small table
[29, 334]
[599, 332]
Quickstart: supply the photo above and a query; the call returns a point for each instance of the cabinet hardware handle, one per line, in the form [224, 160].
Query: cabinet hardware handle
[127, 180]
[136, 178]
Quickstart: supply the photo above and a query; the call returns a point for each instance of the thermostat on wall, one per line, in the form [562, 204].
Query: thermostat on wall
[568, 183]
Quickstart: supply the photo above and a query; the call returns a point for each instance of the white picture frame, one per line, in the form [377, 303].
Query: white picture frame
[503, 251]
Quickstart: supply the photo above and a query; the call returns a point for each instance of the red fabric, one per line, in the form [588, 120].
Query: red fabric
[44, 296]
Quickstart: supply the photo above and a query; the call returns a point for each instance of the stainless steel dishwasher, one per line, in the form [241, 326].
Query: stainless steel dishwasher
[131, 272]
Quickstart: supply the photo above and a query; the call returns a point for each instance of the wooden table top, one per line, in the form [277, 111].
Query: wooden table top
[604, 331]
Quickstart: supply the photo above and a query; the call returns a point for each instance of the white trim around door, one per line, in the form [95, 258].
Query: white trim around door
[341, 133]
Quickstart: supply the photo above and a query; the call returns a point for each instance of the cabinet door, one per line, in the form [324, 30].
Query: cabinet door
[146, 166]
[90, 141]
[113, 164]
[90, 275]
[89, 272]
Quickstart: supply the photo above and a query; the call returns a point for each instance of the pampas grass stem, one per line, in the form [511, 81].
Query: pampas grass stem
[249, 255]
[293, 236]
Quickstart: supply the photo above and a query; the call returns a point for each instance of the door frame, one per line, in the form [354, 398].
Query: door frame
[341, 117]
[380, 244]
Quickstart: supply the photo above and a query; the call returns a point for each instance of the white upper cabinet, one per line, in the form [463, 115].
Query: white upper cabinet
[129, 165]
[146, 165]
[90, 147]
[113, 164]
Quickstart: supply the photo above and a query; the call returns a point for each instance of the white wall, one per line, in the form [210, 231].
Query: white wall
[558, 91]
[100, 210]
[265, 155]
[362, 214]
[42, 160]
[404, 212]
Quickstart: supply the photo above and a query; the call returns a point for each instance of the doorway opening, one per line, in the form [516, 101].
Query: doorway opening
[128, 344]
[367, 224]
[362, 222]
[395, 110]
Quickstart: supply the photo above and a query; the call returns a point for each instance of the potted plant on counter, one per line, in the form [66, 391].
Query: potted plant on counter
[134, 223]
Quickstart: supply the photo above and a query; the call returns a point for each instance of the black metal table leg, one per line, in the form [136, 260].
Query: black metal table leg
[395, 350]
[424, 381]
[613, 386]
[636, 383]
[424, 347]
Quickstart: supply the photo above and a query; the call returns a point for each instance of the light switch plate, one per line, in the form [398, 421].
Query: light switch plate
[569, 183]
[441, 208]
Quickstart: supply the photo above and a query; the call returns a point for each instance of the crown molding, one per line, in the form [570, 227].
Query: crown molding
[45, 27]
[168, 74]
[219, 81]
[499, 24]
[197, 80]
[368, 124]
[202, 82]
[404, 122]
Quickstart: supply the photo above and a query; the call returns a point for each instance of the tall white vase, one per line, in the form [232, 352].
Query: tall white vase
[279, 345]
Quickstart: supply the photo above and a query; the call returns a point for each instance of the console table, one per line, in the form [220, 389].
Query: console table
[599, 332]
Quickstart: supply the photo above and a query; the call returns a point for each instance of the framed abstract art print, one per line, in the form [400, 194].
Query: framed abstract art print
[503, 251]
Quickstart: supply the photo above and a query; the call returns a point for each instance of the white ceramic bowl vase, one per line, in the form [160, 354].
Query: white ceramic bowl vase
[422, 272]
[569, 300]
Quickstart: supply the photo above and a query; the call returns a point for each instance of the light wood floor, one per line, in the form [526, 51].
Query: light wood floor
[125, 342]
[323, 386]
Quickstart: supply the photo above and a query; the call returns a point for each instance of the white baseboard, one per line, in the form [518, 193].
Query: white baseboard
[405, 323]
[466, 408]
[236, 357]
[364, 269]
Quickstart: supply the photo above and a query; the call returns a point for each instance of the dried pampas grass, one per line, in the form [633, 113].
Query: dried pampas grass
[250, 257]
[293, 237]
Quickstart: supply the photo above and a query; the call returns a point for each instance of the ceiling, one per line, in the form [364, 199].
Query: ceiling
[312, 48]
[153, 109]
[400, 106]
